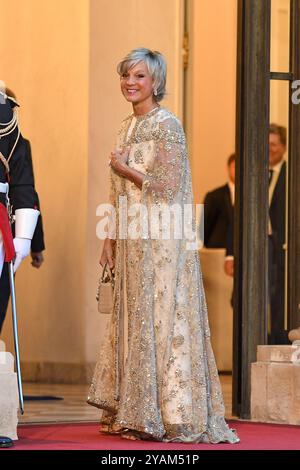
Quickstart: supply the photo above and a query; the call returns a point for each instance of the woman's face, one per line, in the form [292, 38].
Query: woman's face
[137, 84]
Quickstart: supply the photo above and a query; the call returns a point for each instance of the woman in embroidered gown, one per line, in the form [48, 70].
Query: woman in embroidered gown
[156, 377]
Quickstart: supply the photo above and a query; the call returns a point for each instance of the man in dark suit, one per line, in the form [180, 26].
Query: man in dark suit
[277, 224]
[37, 242]
[218, 210]
[276, 235]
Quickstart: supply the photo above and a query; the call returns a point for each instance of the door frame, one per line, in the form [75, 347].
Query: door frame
[251, 206]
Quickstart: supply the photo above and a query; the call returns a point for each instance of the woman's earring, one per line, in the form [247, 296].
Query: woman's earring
[155, 92]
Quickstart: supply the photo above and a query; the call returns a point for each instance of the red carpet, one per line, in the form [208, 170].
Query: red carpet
[253, 436]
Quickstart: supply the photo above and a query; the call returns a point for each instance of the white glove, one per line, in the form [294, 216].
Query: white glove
[26, 220]
[22, 248]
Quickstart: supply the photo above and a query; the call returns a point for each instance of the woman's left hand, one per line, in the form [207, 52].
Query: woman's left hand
[119, 159]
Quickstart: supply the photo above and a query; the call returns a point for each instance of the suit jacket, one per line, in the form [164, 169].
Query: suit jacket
[218, 215]
[277, 213]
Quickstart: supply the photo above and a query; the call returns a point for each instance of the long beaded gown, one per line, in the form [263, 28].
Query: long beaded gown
[156, 375]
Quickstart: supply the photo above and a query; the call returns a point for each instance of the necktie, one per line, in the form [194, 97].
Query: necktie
[270, 175]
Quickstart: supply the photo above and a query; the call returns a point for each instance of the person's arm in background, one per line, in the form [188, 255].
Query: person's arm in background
[37, 242]
[229, 259]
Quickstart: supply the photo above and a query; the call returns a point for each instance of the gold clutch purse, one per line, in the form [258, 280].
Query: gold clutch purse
[105, 291]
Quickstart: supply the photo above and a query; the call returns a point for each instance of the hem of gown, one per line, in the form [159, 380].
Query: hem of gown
[211, 436]
[128, 433]
[216, 433]
[230, 437]
[202, 438]
[140, 432]
[101, 405]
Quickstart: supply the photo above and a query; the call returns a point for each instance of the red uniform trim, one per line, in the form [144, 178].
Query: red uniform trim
[6, 234]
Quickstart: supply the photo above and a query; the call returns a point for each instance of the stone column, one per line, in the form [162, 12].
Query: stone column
[9, 400]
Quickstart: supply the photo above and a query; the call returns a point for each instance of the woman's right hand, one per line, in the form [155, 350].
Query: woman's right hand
[108, 253]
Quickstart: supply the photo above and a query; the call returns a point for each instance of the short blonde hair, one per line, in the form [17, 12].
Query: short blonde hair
[156, 64]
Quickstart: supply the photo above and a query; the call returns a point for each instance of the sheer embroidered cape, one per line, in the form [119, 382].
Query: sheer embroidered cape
[156, 372]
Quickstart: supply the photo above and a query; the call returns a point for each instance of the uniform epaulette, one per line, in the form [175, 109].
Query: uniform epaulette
[13, 101]
[4, 97]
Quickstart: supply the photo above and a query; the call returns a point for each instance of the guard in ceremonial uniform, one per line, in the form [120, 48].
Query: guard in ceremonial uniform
[16, 192]
[16, 187]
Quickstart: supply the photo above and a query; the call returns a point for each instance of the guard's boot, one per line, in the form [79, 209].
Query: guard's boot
[6, 442]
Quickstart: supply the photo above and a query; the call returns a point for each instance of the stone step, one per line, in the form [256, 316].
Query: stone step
[281, 353]
[275, 392]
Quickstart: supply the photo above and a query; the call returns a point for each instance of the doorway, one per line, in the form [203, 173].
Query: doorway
[268, 67]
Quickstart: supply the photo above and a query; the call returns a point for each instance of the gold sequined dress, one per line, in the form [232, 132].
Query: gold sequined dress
[156, 374]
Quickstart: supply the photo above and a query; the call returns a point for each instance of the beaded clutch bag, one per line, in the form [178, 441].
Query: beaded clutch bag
[105, 291]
